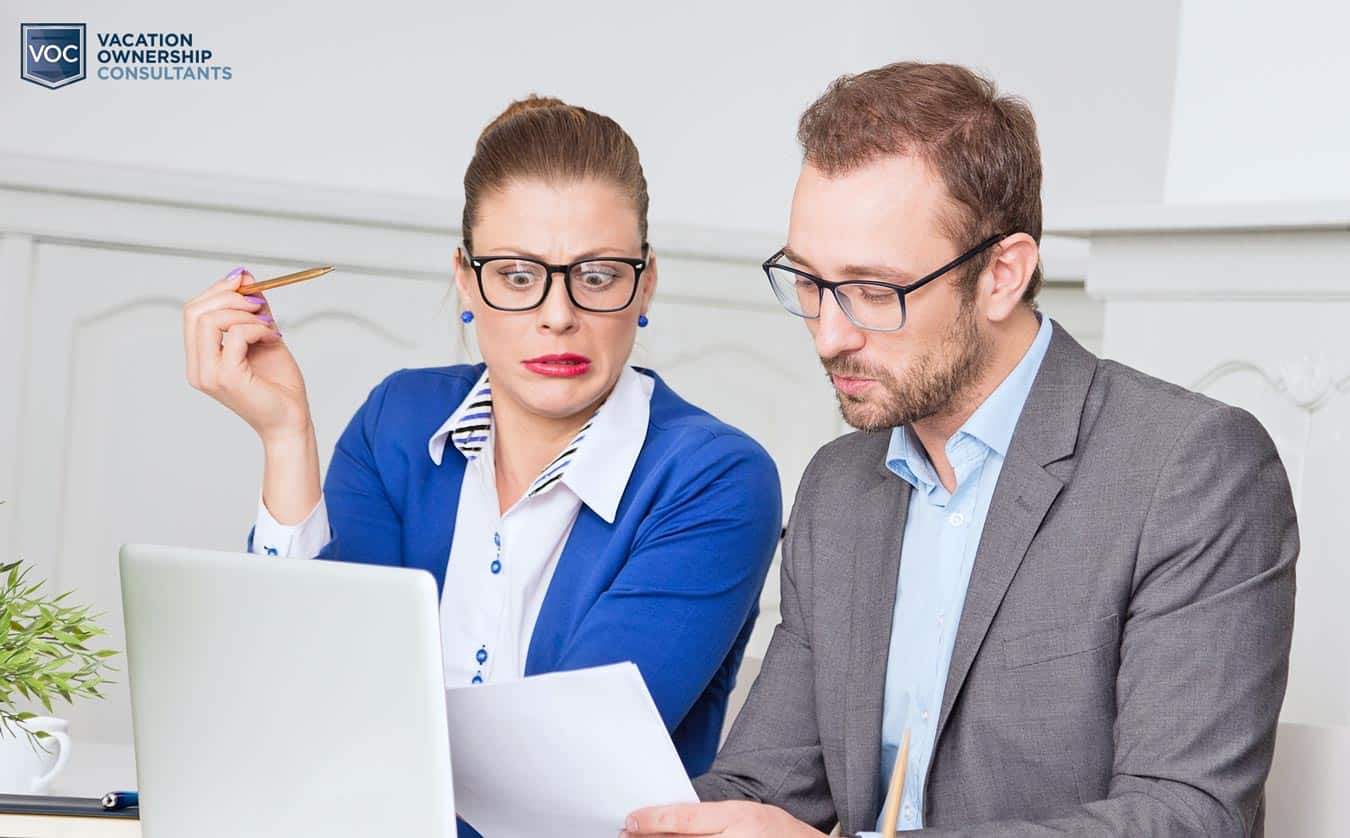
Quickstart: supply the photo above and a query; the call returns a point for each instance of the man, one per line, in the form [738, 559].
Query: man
[1071, 584]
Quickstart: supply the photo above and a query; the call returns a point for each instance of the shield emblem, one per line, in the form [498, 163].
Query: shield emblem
[53, 53]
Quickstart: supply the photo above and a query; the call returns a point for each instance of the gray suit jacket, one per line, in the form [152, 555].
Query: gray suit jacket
[1122, 655]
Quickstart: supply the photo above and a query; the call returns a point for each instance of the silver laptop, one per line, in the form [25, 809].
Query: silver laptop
[285, 697]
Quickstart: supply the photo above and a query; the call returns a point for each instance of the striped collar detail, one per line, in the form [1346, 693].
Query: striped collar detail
[595, 465]
[553, 472]
[473, 422]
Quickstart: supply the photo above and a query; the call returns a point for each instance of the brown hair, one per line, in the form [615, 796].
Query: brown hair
[546, 138]
[982, 145]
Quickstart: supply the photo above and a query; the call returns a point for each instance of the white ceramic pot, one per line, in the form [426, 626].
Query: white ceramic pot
[28, 768]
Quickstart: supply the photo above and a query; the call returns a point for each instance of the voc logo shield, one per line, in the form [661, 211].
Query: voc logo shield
[53, 53]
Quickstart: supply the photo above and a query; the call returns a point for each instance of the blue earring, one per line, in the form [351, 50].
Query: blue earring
[643, 321]
[467, 317]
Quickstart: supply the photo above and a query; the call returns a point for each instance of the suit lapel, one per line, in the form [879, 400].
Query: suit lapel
[880, 518]
[1046, 432]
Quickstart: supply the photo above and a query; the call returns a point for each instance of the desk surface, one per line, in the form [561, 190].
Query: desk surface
[59, 826]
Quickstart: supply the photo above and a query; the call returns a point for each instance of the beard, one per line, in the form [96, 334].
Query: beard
[933, 385]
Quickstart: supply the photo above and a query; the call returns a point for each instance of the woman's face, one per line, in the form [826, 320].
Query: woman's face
[557, 360]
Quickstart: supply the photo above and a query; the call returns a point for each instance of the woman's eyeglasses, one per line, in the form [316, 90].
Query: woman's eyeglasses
[515, 283]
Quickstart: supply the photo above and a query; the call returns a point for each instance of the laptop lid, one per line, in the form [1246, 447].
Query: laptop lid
[284, 697]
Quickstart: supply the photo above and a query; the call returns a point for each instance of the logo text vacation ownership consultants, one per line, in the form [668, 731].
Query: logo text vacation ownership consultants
[56, 54]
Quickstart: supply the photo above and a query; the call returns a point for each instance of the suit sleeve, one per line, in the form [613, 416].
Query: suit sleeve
[1205, 647]
[692, 580]
[773, 754]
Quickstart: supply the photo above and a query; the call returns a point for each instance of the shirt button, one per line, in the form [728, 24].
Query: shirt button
[497, 538]
[477, 679]
[271, 551]
[496, 566]
[482, 656]
[956, 519]
[924, 715]
[909, 812]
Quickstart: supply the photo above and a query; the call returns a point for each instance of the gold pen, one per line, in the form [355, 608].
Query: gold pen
[288, 279]
[891, 814]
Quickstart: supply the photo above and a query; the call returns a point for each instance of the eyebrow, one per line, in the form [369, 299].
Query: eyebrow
[525, 253]
[890, 272]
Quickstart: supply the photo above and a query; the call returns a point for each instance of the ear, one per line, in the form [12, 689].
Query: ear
[464, 280]
[1015, 260]
[649, 277]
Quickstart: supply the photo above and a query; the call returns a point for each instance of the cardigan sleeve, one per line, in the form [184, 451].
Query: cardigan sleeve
[693, 577]
[366, 525]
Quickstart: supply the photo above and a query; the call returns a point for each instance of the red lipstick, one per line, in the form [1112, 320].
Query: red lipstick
[566, 365]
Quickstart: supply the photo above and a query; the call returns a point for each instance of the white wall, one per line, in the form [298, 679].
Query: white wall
[1260, 111]
[390, 97]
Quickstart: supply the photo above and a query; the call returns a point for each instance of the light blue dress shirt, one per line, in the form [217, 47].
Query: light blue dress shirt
[942, 533]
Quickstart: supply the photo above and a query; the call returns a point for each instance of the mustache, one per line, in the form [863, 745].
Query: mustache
[847, 367]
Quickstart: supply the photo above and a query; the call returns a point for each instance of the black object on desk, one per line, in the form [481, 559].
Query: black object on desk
[81, 807]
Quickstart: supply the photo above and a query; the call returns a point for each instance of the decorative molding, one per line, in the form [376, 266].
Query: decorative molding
[1150, 219]
[1309, 382]
[420, 218]
[17, 268]
[773, 365]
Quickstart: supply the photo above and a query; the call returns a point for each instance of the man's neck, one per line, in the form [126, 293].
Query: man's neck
[1010, 340]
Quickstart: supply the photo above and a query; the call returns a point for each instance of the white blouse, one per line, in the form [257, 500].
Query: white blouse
[500, 565]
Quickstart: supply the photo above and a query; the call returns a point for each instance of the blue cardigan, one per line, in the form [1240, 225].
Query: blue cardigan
[672, 585]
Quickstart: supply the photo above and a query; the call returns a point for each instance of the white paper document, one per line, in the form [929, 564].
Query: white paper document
[565, 755]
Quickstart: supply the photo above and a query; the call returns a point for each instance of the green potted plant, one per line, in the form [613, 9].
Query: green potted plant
[45, 654]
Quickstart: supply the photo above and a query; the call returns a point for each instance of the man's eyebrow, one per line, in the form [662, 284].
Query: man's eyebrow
[796, 260]
[887, 272]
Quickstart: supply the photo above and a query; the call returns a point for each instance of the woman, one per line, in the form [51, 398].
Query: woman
[574, 510]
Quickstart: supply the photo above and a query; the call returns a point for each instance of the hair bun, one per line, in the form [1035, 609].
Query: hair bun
[529, 103]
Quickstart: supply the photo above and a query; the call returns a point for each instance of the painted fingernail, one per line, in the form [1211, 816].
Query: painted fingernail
[264, 318]
[253, 298]
[234, 273]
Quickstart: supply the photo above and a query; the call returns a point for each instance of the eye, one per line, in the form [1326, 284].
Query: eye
[517, 278]
[594, 277]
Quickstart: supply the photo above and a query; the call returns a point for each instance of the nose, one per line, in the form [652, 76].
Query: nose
[557, 315]
[835, 334]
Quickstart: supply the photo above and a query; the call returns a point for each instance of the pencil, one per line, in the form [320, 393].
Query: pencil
[288, 279]
[897, 789]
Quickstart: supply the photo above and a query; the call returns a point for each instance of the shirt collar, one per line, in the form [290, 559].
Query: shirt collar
[992, 424]
[601, 467]
[598, 461]
[468, 426]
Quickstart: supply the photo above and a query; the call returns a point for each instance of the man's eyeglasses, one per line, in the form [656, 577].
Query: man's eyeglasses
[515, 283]
[869, 303]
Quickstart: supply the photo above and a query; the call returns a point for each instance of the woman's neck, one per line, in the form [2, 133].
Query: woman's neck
[524, 443]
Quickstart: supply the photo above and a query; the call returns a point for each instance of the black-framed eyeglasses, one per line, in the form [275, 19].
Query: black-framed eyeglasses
[869, 303]
[515, 283]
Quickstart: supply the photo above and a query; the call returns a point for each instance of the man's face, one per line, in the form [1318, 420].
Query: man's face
[881, 222]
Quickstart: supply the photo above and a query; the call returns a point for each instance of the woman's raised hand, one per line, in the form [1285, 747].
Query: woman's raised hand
[235, 354]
